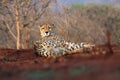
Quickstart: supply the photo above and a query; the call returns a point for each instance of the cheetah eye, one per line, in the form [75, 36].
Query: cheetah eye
[49, 26]
[42, 28]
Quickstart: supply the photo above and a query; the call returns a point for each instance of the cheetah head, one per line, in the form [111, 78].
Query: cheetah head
[46, 30]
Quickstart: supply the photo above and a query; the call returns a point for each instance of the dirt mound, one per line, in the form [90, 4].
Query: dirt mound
[24, 65]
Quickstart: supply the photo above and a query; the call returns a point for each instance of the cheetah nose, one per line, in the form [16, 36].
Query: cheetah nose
[46, 32]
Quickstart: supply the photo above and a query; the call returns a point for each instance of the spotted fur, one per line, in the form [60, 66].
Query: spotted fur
[51, 45]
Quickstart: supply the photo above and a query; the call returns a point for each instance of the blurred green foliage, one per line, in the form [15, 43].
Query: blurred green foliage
[77, 70]
[40, 75]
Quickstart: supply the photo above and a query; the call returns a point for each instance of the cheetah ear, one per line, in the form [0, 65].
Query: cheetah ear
[53, 25]
[40, 25]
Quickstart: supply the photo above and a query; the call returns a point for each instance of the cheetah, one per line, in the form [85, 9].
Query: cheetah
[50, 45]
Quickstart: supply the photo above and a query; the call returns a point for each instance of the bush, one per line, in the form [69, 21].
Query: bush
[77, 23]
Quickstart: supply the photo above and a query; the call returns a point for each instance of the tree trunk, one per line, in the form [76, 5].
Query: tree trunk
[17, 24]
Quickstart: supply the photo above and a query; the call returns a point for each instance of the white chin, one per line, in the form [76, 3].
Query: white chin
[47, 34]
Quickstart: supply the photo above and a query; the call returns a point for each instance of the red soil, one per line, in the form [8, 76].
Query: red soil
[24, 65]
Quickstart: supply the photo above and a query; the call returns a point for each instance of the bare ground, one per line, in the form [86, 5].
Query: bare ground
[25, 65]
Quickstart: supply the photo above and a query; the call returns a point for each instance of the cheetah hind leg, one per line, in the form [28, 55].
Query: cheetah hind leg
[57, 52]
